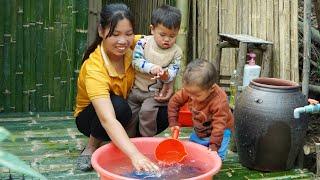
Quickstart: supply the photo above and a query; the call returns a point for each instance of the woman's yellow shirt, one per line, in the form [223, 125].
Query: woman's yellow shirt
[98, 79]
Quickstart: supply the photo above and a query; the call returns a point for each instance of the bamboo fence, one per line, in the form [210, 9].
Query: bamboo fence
[41, 43]
[271, 20]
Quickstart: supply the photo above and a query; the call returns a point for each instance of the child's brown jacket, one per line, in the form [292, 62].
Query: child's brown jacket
[210, 118]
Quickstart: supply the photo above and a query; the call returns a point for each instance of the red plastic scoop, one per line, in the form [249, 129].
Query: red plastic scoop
[171, 150]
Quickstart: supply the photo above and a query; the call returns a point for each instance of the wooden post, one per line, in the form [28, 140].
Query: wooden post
[318, 158]
[266, 61]
[306, 47]
[241, 61]
[93, 19]
[218, 57]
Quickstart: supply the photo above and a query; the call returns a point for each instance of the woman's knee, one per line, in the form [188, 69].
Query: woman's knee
[121, 108]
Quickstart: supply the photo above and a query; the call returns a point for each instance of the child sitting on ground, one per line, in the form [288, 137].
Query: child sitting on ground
[211, 116]
[156, 60]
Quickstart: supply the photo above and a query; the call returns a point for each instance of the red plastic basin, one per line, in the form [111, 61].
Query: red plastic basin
[107, 154]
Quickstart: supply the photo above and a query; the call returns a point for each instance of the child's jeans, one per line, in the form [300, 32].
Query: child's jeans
[222, 151]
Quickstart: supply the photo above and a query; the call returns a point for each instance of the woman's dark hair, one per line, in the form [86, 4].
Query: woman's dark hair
[168, 16]
[201, 73]
[110, 15]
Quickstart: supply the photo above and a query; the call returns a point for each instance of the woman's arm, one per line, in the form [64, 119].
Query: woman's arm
[107, 117]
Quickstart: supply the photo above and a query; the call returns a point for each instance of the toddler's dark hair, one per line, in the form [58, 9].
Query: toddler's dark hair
[168, 16]
[201, 73]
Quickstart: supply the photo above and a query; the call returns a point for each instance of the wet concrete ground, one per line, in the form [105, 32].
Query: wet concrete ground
[50, 143]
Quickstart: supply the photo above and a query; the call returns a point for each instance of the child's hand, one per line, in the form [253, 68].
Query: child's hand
[212, 148]
[157, 71]
[165, 75]
[174, 128]
[165, 93]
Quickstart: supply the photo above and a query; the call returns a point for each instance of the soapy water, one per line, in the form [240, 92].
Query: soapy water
[187, 169]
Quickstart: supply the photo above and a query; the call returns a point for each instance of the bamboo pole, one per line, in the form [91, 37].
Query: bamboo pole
[70, 57]
[48, 86]
[81, 13]
[19, 57]
[6, 54]
[2, 19]
[306, 47]
[32, 66]
[13, 30]
[57, 60]
[64, 53]
[40, 58]
[26, 56]
[182, 38]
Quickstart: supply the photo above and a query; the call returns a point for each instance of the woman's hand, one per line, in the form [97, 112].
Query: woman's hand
[165, 93]
[142, 163]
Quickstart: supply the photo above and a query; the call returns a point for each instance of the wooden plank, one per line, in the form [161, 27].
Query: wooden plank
[245, 23]
[284, 39]
[194, 28]
[241, 61]
[276, 44]
[93, 19]
[254, 18]
[263, 19]
[200, 28]
[266, 61]
[239, 16]
[206, 31]
[224, 28]
[294, 41]
[270, 31]
[230, 16]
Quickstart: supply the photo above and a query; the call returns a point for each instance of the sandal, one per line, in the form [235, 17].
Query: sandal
[84, 163]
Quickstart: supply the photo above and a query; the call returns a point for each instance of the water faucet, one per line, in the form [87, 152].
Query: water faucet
[314, 107]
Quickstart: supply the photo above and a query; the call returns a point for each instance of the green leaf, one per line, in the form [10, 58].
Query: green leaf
[14, 163]
[3, 133]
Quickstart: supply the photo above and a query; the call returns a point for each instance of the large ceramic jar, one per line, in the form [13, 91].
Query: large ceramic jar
[268, 137]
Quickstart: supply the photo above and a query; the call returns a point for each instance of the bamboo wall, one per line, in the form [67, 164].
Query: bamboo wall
[272, 20]
[41, 48]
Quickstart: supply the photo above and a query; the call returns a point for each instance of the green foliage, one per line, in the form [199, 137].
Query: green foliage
[13, 162]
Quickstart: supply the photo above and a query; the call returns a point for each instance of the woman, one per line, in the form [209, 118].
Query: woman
[104, 82]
